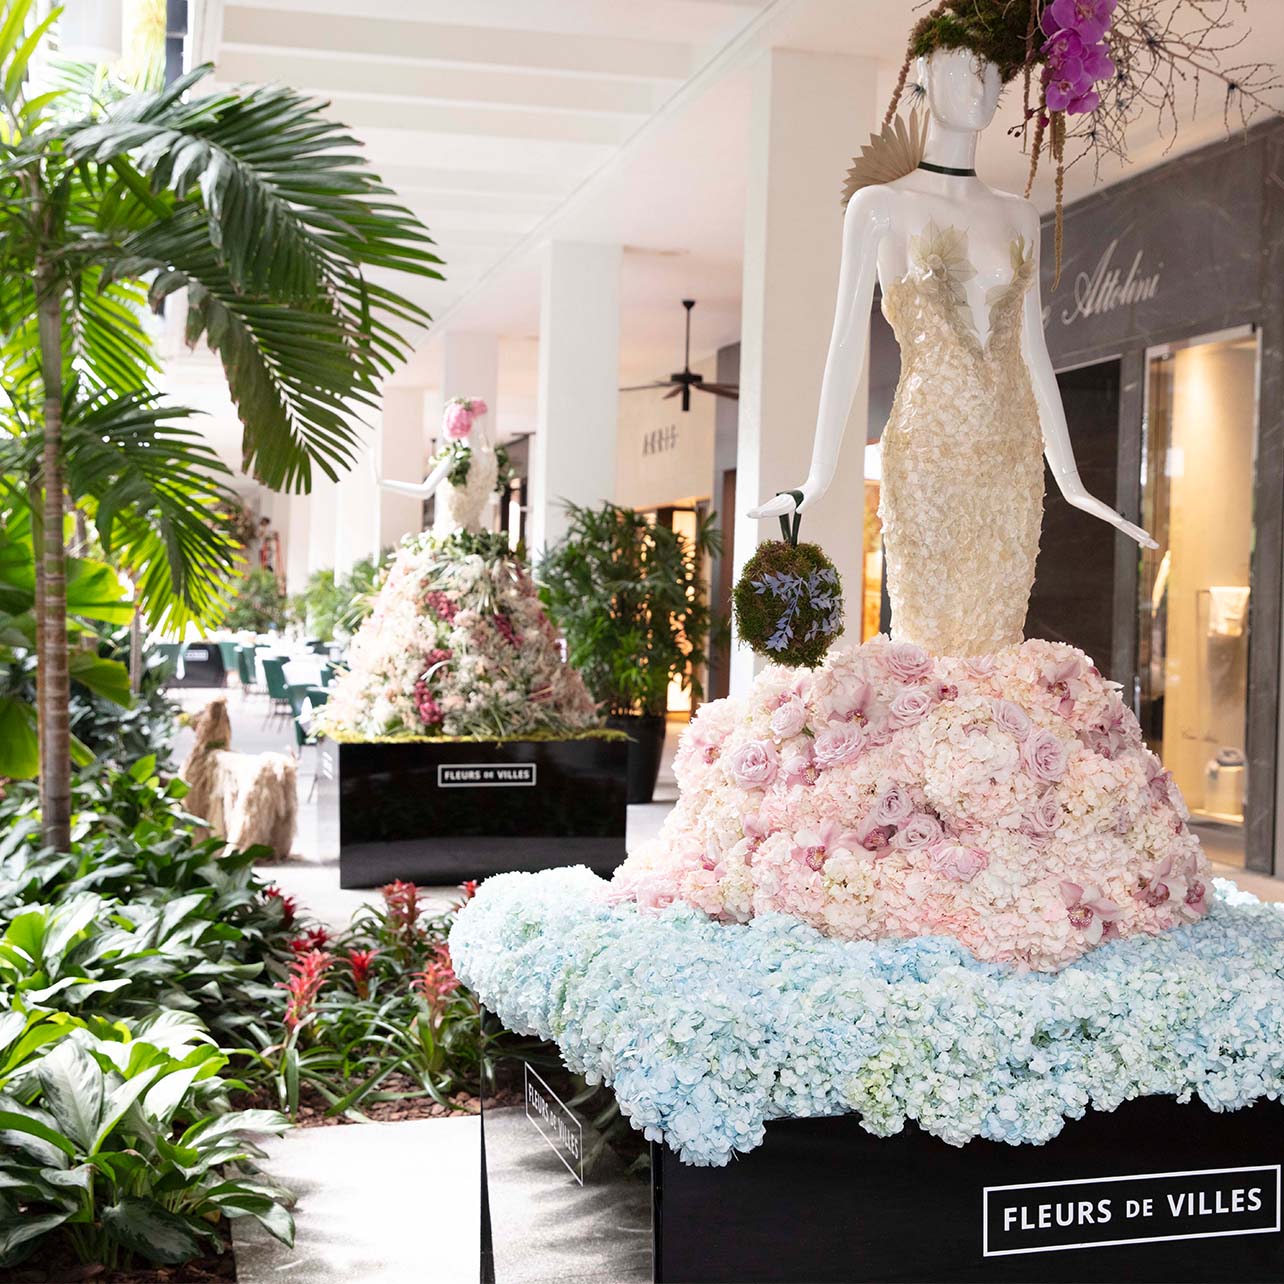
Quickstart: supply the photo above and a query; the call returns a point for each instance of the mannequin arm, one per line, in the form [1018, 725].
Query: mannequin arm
[423, 489]
[1052, 416]
[864, 226]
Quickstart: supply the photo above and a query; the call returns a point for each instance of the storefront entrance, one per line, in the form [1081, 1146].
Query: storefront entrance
[1198, 464]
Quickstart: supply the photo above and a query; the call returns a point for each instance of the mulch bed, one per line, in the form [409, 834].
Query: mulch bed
[64, 1269]
[313, 1106]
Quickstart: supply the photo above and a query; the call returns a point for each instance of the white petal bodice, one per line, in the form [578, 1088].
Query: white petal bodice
[962, 494]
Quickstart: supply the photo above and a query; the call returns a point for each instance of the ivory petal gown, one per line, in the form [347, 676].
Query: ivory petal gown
[962, 492]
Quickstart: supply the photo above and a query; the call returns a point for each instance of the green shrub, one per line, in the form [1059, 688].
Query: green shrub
[257, 604]
[630, 596]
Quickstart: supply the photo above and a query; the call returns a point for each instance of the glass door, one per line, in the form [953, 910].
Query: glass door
[1197, 472]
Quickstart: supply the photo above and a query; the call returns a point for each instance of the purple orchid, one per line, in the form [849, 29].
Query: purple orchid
[1089, 19]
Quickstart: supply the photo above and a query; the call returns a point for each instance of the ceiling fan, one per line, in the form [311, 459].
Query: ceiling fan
[686, 379]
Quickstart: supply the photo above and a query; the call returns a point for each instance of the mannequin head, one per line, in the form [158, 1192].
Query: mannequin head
[962, 90]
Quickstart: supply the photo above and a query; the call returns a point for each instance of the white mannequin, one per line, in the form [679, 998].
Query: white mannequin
[461, 509]
[962, 95]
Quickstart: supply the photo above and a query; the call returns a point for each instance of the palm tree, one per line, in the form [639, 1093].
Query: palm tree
[254, 206]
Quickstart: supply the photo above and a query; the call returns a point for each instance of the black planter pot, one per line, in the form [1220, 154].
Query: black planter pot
[646, 747]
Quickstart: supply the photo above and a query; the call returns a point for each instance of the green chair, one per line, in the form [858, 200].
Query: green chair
[245, 668]
[171, 653]
[231, 660]
[277, 689]
[327, 674]
[303, 699]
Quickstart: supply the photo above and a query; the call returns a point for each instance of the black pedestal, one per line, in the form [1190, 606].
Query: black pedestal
[444, 811]
[1152, 1191]
[201, 665]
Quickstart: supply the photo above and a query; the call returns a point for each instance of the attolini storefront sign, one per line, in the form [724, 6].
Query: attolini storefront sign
[1145, 259]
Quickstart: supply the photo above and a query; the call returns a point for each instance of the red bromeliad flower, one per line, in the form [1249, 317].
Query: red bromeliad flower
[361, 961]
[402, 900]
[288, 905]
[307, 975]
[316, 939]
[437, 982]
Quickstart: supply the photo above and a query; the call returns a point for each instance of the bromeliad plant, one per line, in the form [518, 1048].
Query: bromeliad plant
[252, 207]
[380, 1001]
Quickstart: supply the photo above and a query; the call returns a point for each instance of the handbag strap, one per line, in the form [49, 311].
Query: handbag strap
[788, 531]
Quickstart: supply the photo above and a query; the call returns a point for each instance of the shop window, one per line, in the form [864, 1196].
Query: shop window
[1197, 471]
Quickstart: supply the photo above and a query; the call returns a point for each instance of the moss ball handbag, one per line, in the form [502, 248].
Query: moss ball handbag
[789, 599]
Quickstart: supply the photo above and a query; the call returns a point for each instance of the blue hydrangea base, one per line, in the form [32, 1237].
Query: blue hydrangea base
[707, 1030]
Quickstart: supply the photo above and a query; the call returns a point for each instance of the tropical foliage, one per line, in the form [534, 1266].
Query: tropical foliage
[157, 998]
[257, 603]
[333, 606]
[630, 596]
[250, 207]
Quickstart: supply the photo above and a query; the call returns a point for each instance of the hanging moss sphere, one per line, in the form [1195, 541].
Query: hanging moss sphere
[789, 603]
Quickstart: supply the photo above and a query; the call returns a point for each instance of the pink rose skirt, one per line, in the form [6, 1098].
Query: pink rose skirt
[1007, 801]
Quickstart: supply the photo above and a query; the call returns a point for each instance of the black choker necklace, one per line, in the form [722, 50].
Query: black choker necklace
[947, 169]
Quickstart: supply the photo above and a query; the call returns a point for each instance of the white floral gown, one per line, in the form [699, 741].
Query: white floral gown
[962, 494]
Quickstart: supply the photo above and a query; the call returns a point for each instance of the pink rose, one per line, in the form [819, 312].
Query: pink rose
[789, 719]
[980, 666]
[962, 864]
[895, 807]
[1043, 821]
[910, 705]
[753, 765]
[1044, 757]
[1013, 719]
[840, 742]
[921, 830]
[907, 662]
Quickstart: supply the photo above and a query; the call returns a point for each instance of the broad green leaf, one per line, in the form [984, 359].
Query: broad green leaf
[119, 1101]
[107, 678]
[19, 1232]
[143, 768]
[30, 1125]
[151, 1231]
[72, 1086]
[19, 748]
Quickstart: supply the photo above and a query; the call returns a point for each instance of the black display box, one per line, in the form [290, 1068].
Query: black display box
[448, 810]
[1152, 1191]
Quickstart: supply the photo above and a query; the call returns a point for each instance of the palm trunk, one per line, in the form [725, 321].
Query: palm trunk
[52, 657]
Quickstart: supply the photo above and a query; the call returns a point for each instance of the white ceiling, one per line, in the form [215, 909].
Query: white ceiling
[503, 123]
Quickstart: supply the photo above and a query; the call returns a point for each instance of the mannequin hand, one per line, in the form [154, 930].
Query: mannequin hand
[783, 505]
[1095, 508]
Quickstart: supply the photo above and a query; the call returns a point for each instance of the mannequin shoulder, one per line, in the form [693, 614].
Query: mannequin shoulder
[1020, 211]
[868, 214]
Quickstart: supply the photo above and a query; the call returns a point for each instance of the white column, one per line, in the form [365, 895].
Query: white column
[356, 518]
[297, 537]
[401, 458]
[323, 501]
[573, 453]
[810, 111]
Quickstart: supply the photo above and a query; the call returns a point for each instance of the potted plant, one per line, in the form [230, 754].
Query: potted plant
[630, 596]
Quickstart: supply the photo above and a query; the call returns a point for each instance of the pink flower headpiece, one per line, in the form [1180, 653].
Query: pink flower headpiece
[457, 421]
